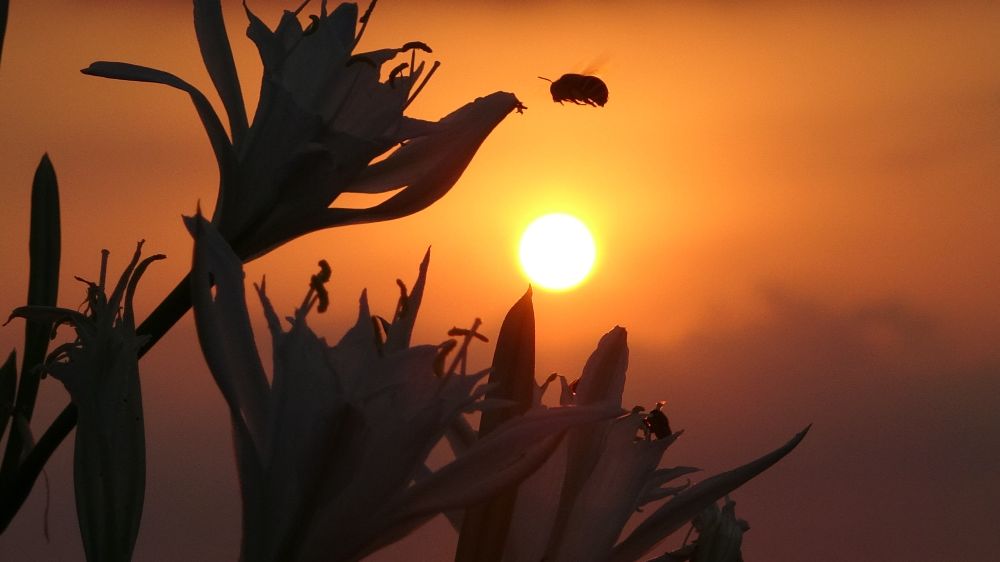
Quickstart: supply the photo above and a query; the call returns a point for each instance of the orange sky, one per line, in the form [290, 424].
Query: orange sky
[796, 209]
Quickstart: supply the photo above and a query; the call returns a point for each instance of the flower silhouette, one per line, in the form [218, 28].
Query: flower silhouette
[327, 449]
[323, 116]
[100, 370]
[576, 505]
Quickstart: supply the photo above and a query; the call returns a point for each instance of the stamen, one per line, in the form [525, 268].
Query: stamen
[404, 300]
[364, 23]
[104, 268]
[301, 7]
[443, 350]
[361, 58]
[423, 83]
[463, 351]
[395, 73]
[313, 25]
[317, 283]
[414, 45]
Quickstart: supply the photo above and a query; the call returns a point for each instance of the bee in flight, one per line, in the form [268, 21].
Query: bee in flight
[581, 89]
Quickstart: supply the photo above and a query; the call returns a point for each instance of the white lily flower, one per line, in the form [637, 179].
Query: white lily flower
[720, 537]
[100, 370]
[328, 450]
[323, 116]
[576, 505]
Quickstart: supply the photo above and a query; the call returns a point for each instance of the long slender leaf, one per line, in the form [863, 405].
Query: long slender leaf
[8, 385]
[218, 56]
[485, 527]
[43, 288]
[677, 512]
[43, 281]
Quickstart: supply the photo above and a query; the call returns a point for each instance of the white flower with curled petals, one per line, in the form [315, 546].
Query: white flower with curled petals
[331, 450]
[324, 115]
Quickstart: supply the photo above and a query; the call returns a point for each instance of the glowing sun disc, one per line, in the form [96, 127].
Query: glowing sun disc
[557, 251]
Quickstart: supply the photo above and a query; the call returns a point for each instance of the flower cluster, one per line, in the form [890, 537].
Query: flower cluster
[324, 115]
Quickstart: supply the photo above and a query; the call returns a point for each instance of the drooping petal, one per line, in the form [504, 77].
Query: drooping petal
[427, 167]
[678, 511]
[223, 326]
[213, 127]
[213, 41]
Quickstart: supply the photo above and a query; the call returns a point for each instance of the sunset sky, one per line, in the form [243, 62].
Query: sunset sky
[796, 208]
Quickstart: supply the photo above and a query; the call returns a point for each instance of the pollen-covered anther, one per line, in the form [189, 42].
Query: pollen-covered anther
[317, 284]
[414, 45]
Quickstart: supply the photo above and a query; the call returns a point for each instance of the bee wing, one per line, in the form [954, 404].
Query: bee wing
[597, 64]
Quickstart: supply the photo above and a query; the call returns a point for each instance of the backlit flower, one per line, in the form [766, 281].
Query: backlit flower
[100, 370]
[575, 507]
[331, 449]
[323, 116]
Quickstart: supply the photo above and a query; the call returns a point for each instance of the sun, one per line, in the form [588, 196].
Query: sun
[557, 251]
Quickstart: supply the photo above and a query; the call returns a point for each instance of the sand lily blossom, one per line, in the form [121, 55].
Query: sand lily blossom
[720, 537]
[575, 507]
[323, 116]
[331, 450]
[101, 372]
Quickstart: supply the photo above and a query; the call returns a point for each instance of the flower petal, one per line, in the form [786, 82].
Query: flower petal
[223, 326]
[534, 516]
[601, 383]
[678, 511]
[218, 56]
[401, 330]
[213, 127]
[427, 166]
[611, 493]
[603, 378]
[485, 527]
[504, 457]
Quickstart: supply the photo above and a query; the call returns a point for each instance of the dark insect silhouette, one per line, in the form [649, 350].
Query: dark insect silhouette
[657, 423]
[580, 89]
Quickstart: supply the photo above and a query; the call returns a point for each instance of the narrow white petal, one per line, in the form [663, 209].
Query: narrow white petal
[223, 326]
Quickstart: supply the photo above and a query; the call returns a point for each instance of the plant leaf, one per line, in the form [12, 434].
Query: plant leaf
[43, 280]
[677, 512]
[43, 287]
[8, 385]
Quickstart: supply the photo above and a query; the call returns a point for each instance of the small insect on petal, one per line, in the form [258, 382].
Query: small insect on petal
[656, 421]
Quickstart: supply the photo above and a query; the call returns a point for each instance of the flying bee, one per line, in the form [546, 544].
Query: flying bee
[581, 89]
